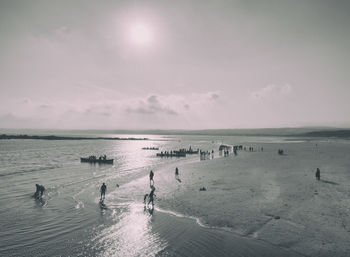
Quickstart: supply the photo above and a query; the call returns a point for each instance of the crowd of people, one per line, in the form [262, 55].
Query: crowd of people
[206, 155]
[172, 153]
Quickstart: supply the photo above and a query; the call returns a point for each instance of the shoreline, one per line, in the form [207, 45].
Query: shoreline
[263, 196]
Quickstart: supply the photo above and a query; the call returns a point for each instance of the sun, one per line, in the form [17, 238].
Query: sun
[141, 34]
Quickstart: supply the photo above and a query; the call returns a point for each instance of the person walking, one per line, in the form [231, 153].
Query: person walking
[151, 175]
[151, 195]
[103, 191]
[177, 174]
[318, 174]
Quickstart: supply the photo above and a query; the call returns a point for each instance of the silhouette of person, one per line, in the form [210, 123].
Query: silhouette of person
[103, 191]
[42, 189]
[151, 195]
[318, 174]
[37, 192]
[151, 175]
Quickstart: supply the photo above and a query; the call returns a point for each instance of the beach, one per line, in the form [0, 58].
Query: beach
[258, 203]
[270, 197]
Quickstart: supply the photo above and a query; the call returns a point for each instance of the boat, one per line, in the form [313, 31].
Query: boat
[150, 148]
[190, 151]
[97, 160]
[173, 154]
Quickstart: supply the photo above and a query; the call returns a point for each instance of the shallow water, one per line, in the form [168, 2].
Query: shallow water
[69, 221]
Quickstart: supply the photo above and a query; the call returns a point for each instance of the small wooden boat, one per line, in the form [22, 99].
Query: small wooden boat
[150, 148]
[97, 160]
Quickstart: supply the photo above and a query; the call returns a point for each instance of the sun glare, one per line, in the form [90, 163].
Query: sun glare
[140, 34]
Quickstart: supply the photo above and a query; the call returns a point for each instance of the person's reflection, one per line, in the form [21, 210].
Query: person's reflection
[148, 210]
[151, 210]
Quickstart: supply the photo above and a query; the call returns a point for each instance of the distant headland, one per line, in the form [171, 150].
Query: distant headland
[283, 132]
[345, 133]
[52, 137]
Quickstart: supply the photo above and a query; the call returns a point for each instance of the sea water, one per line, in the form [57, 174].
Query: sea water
[68, 219]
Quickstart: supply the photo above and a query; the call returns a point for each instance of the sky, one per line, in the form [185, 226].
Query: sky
[174, 64]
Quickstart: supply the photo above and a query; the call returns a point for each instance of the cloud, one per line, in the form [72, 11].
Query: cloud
[98, 111]
[25, 100]
[8, 117]
[118, 111]
[45, 106]
[10, 120]
[214, 96]
[153, 99]
[272, 91]
[152, 106]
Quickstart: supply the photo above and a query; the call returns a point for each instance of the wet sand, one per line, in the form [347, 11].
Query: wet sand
[142, 231]
[187, 238]
[270, 197]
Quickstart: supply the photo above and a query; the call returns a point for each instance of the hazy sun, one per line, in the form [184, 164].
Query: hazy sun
[140, 34]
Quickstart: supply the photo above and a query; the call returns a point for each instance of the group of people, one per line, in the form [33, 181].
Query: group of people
[180, 153]
[93, 157]
[151, 195]
[150, 148]
[39, 191]
[103, 189]
[226, 153]
[205, 155]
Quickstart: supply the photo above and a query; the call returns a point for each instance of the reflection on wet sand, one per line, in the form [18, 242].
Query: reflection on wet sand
[131, 235]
